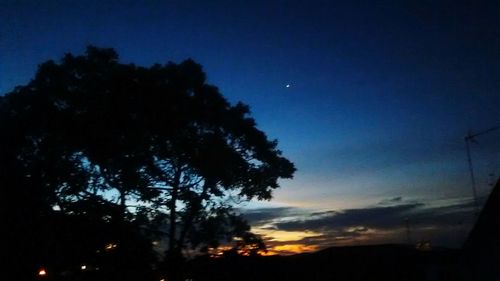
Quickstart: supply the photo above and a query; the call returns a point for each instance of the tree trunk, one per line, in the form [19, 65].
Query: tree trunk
[173, 258]
[123, 207]
[190, 218]
[173, 213]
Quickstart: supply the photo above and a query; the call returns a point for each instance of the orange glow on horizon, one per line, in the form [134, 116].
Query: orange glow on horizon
[281, 242]
[290, 249]
[286, 249]
[291, 238]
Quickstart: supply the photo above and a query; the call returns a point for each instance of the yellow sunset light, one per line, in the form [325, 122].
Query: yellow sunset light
[285, 236]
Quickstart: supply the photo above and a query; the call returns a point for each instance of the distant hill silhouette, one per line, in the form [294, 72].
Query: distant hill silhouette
[478, 260]
[380, 262]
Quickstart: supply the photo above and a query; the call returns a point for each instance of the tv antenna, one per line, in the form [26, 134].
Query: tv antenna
[470, 137]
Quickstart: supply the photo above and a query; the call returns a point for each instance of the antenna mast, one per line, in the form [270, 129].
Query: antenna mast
[470, 137]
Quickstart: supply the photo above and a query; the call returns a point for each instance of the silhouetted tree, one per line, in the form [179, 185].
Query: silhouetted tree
[148, 145]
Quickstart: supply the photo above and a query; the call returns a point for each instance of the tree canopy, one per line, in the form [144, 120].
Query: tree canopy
[150, 148]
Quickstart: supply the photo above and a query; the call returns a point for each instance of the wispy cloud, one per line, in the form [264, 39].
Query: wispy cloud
[444, 223]
[379, 216]
[265, 215]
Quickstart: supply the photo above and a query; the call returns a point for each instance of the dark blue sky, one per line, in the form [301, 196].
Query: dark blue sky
[381, 92]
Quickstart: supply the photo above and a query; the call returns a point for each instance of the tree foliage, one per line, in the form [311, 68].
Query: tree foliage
[144, 146]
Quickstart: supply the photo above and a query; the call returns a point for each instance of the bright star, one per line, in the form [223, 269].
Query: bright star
[287, 85]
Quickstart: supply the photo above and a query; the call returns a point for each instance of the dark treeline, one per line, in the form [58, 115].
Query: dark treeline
[356, 263]
[100, 160]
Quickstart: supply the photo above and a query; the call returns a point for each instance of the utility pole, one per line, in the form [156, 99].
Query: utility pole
[470, 137]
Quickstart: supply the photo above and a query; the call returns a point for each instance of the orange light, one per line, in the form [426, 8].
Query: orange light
[110, 246]
[42, 272]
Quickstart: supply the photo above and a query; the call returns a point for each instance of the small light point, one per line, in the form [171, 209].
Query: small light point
[42, 272]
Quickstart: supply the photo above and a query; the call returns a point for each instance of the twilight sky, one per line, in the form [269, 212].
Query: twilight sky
[380, 96]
